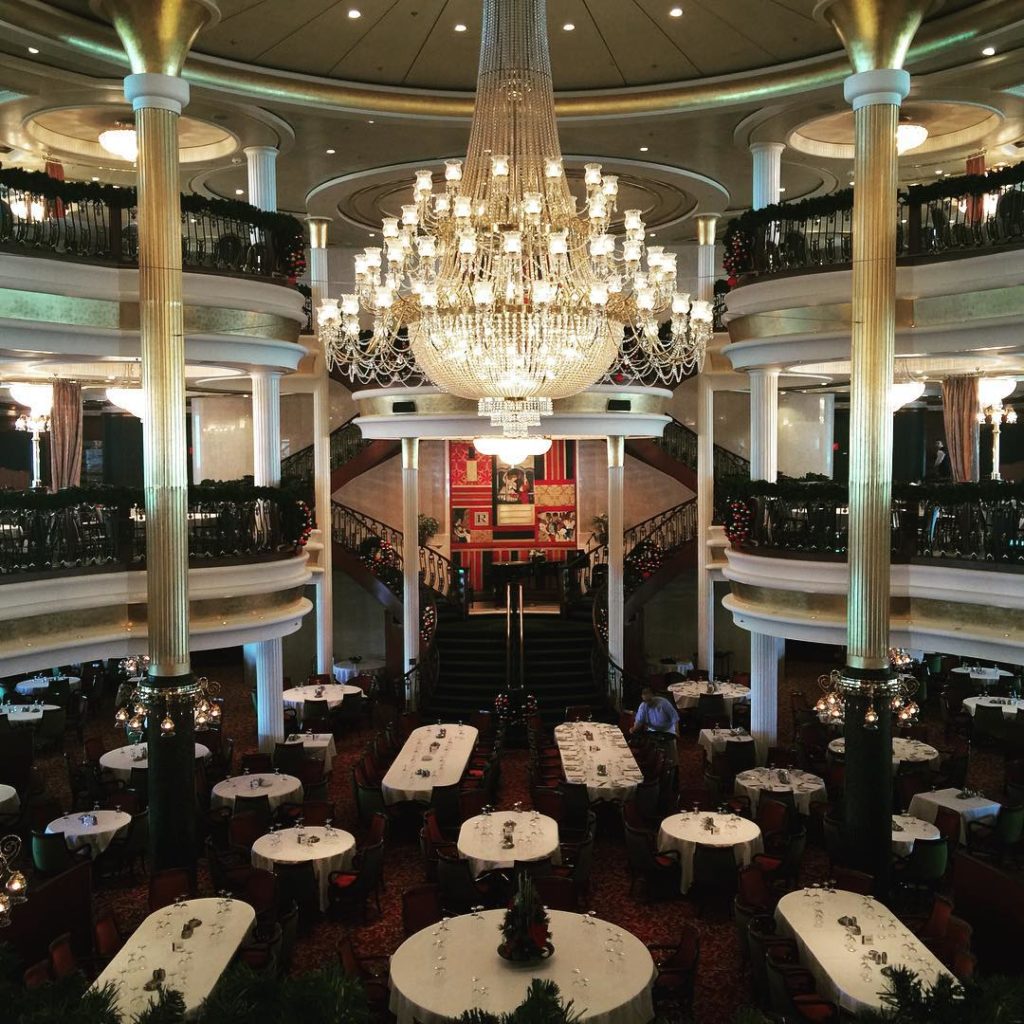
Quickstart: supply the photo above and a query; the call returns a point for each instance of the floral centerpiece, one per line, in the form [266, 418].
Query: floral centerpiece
[525, 931]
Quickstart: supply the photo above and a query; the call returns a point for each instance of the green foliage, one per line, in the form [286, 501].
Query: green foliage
[428, 527]
[814, 488]
[166, 1007]
[543, 1005]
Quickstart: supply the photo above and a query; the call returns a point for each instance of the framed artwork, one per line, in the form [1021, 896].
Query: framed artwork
[513, 496]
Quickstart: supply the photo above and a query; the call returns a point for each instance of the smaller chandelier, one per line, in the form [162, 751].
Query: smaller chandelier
[909, 136]
[512, 450]
[904, 392]
[128, 394]
[835, 688]
[14, 883]
[145, 706]
[120, 141]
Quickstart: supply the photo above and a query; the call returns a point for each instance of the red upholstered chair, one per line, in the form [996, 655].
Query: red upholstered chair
[166, 886]
[677, 971]
[421, 907]
[106, 936]
[243, 830]
[354, 888]
[963, 965]
[256, 763]
[934, 926]
[557, 892]
[37, 975]
[859, 882]
[260, 891]
[549, 802]
[370, 972]
[62, 957]
[947, 821]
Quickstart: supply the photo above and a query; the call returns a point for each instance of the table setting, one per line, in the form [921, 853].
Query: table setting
[685, 831]
[40, 684]
[121, 760]
[687, 694]
[598, 755]
[328, 848]
[496, 839]
[319, 746]
[26, 714]
[333, 693]
[433, 755]
[904, 750]
[95, 829]
[805, 787]
[185, 947]
[983, 676]
[969, 804]
[713, 741]
[1010, 705]
[906, 830]
[849, 942]
[278, 787]
[439, 971]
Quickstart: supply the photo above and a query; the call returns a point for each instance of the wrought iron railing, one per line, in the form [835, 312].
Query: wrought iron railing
[948, 525]
[346, 443]
[620, 687]
[82, 533]
[79, 221]
[957, 215]
[307, 307]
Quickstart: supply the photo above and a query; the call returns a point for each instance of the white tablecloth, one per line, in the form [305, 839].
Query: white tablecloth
[535, 837]
[683, 832]
[805, 786]
[609, 989]
[688, 694]
[333, 693]
[903, 749]
[281, 789]
[121, 760]
[912, 829]
[98, 836]
[10, 802]
[823, 948]
[1010, 705]
[195, 970]
[333, 852]
[586, 747]
[983, 676]
[28, 687]
[344, 671]
[714, 740]
[26, 714]
[319, 746]
[926, 805]
[445, 764]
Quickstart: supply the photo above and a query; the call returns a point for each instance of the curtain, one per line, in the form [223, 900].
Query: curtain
[960, 416]
[55, 169]
[66, 435]
[976, 204]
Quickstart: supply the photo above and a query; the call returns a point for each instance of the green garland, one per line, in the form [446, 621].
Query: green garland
[966, 185]
[829, 490]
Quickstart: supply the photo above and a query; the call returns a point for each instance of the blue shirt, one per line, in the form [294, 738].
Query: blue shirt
[663, 717]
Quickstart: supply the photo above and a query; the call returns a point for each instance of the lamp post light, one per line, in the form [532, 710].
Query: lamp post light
[991, 392]
[39, 399]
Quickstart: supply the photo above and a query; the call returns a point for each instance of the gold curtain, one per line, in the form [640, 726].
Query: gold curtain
[960, 416]
[66, 435]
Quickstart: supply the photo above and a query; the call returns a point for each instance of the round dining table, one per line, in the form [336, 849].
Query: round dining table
[534, 837]
[440, 971]
[95, 829]
[713, 741]
[983, 677]
[904, 751]
[279, 788]
[40, 684]
[686, 831]
[10, 802]
[906, 830]
[688, 694]
[26, 714]
[805, 787]
[327, 849]
[121, 760]
[1010, 705]
[333, 693]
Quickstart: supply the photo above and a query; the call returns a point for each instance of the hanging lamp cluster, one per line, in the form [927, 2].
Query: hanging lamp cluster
[149, 705]
[835, 688]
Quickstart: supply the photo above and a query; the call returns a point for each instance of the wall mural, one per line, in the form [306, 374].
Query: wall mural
[501, 513]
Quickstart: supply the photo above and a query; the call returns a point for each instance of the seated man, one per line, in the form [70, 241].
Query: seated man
[658, 719]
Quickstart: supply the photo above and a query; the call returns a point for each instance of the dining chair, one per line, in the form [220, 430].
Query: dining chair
[421, 907]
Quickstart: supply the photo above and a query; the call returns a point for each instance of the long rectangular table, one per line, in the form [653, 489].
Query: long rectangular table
[444, 762]
[598, 755]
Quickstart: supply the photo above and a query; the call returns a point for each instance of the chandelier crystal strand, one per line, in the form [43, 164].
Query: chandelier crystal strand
[492, 284]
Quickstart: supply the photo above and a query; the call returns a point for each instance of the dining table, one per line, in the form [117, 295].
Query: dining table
[1009, 705]
[278, 787]
[970, 808]
[319, 746]
[192, 965]
[432, 755]
[10, 802]
[598, 755]
[344, 671]
[984, 676]
[26, 714]
[121, 760]
[533, 836]
[806, 787]
[333, 693]
[846, 960]
[441, 970]
[686, 831]
[40, 684]
[904, 751]
[713, 741]
[325, 847]
[95, 829]
[687, 694]
[906, 830]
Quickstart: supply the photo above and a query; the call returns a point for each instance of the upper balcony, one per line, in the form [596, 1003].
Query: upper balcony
[959, 298]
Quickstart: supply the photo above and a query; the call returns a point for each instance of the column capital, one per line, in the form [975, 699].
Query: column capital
[883, 85]
[156, 34]
[767, 147]
[410, 453]
[706, 226]
[318, 231]
[264, 150]
[616, 450]
[156, 91]
[875, 33]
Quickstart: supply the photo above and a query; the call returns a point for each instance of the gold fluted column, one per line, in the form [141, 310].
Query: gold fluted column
[156, 35]
[877, 35]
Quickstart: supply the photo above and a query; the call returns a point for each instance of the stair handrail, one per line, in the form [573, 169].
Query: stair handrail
[346, 441]
[680, 441]
[623, 688]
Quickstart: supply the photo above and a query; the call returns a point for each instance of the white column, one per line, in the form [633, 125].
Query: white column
[266, 428]
[266, 656]
[616, 596]
[322, 454]
[410, 560]
[765, 650]
[767, 173]
[261, 163]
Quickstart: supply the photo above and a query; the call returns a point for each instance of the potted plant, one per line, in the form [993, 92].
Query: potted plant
[600, 527]
[526, 936]
[428, 527]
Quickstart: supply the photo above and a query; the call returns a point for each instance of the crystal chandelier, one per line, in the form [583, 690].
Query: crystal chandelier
[120, 141]
[129, 394]
[512, 450]
[491, 283]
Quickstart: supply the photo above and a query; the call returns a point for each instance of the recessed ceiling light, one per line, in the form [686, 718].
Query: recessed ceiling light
[643, 149]
[676, 12]
[35, 49]
[372, 234]
[239, 191]
[330, 152]
[95, 177]
[371, 121]
[939, 172]
[568, 27]
[652, 234]
[353, 13]
[989, 51]
[781, 189]
[460, 27]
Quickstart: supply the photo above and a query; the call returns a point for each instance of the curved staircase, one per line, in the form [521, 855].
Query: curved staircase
[351, 455]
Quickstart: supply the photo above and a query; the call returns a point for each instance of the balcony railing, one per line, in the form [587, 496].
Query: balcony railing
[104, 529]
[98, 223]
[980, 524]
[346, 441]
[953, 217]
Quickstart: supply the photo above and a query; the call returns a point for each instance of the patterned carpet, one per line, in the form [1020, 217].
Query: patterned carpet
[722, 984]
